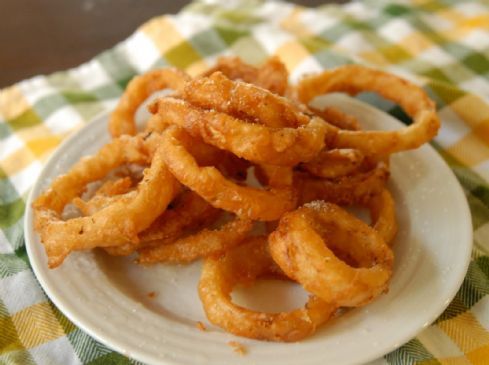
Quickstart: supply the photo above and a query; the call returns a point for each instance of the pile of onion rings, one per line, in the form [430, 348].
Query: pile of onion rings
[229, 148]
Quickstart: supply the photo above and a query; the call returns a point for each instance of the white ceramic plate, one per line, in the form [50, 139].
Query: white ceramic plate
[108, 297]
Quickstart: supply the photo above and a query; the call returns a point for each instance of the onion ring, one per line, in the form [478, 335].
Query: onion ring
[107, 194]
[245, 101]
[383, 213]
[272, 75]
[251, 141]
[334, 163]
[243, 264]
[114, 225]
[279, 176]
[201, 244]
[234, 68]
[337, 118]
[244, 201]
[345, 190]
[206, 154]
[298, 247]
[354, 79]
[120, 185]
[137, 91]
[189, 211]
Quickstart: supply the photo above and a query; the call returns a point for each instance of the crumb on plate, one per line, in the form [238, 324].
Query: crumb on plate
[238, 348]
[201, 326]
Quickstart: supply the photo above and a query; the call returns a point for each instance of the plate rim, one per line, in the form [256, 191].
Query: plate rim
[139, 355]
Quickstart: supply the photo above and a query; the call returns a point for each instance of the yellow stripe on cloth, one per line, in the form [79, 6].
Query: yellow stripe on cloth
[293, 24]
[37, 325]
[12, 103]
[163, 33]
[471, 150]
[452, 15]
[375, 58]
[459, 360]
[482, 131]
[479, 356]
[40, 139]
[466, 26]
[472, 109]
[479, 21]
[466, 332]
[415, 43]
[41, 146]
[17, 161]
[292, 54]
[456, 361]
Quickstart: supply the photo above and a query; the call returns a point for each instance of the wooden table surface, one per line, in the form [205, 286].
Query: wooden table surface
[40, 37]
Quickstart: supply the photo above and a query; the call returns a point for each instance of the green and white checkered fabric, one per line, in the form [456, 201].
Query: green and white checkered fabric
[441, 44]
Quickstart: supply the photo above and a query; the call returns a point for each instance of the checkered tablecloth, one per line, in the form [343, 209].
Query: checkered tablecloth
[441, 44]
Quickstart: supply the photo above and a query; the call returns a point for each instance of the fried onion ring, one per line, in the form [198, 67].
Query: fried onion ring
[272, 75]
[354, 79]
[279, 176]
[246, 202]
[300, 246]
[138, 90]
[245, 101]
[201, 244]
[253, 142]
[117, 223]
[108, 193]
[383, 213]
[345, 190]
[337, 118]
[243, 264]
[334, 163]
[189, 211]
[206, 154]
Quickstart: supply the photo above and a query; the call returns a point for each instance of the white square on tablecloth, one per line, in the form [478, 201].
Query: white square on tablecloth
[63, 120]
[274, 12]
[360, 11]
[36, 88]
[396, 30]
[317, 21]
[5, 246]
[140, 51]
[354, 43]
[190, 24]
[452, 128]
[90, 75]
[436, 56]
[58, 351]
[477, 39]
[10, 145]
[478, 86]
[480, 310]
[470, 9]
[25, 178]
[270, 37]
[13, 291]
[483, 170]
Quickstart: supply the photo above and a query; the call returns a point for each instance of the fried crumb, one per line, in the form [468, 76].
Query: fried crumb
[238, 348]
[151, 294]
[201, 326]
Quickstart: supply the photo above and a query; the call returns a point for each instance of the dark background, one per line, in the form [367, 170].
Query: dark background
[39, 37]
